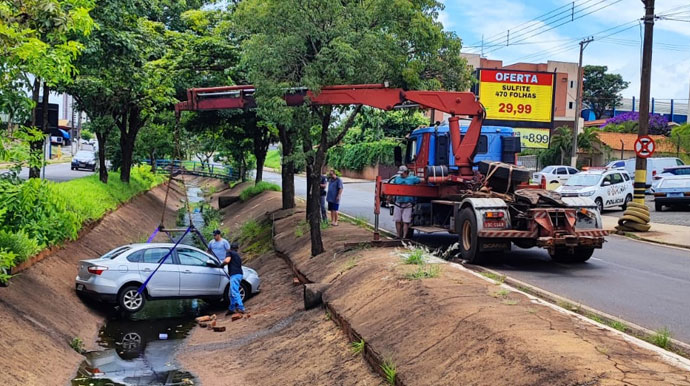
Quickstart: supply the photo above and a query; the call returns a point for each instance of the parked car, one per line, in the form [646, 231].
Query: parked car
[655, 166]
[608, 188]
[672, 191]
[669, 172]
[187, 273]
[557, 174]
[84, 159]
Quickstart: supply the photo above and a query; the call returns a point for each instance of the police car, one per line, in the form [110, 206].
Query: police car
[607, 188]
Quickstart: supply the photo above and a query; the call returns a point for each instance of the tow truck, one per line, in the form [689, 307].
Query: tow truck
[490, 205]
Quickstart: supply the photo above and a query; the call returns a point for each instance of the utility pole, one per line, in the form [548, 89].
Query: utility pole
[645, 85]
[578, 101]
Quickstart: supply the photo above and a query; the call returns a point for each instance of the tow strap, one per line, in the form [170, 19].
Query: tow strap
[143, 286]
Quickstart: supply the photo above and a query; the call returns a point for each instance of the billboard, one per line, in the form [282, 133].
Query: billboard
[533, 138]
[517, 98]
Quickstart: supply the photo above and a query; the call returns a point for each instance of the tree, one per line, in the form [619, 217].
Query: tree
[601, 91]
[292, 43]
[156, 138]
[561, 142]
[375, 124]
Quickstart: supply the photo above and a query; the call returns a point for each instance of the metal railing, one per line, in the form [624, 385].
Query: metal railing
[196, 168]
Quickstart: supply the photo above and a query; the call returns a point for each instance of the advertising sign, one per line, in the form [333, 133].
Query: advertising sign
[533, 138]
[512, 97]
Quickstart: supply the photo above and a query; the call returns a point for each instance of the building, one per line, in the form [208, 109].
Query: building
[675, 110]
[615, 146]
[565, 92]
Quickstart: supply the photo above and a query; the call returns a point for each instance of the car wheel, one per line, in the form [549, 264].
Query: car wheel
[658, 207]
[600, 205]
[628, 198]
[130, 300]
[578, 255]
[245, 291]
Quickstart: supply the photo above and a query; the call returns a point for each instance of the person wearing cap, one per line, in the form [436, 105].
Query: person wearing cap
[402, 213]
[234, 263]
[218, 247]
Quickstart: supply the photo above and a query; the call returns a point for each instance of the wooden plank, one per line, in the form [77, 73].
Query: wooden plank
[430, 229]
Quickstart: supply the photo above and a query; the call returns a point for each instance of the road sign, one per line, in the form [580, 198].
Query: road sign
[517, 98]
[644, 146]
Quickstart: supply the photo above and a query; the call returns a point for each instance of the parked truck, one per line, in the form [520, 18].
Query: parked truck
[489, 204]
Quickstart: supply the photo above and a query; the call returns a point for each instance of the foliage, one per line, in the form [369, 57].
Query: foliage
[662, 337]
[360, 155]
[414, 256]
[374, 125]
[424, 271]
[601, 91]
[87, 135]
[38, 213]
[257, 189]
[77, 345]
[357, 347]
[389, 371]
[629, 123]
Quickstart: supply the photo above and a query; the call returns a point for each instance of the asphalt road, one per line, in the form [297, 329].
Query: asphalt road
[643, 283]
[59, 172]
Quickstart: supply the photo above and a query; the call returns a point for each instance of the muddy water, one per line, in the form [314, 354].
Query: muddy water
[139, 349]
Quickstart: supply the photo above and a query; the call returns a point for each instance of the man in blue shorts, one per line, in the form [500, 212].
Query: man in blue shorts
[335, 190]
[402, 214]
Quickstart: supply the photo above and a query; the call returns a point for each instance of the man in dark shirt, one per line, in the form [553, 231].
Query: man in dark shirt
[323, 184]
[234, 263]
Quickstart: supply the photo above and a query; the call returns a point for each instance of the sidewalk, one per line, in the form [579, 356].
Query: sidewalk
[676, 235]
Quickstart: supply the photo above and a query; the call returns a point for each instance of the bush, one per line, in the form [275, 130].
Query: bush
[360, 155]
[273, 159]
[628, 123]
[258, 188]
[37, 214]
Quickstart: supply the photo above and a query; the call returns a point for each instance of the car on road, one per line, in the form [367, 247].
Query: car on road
[655, 166]
[608, 188]
[84, 159]
[672, 191]
[683, 170]
[555, 174]
[186, 273]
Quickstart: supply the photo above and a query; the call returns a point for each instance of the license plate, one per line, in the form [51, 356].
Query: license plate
[80, 287]
[674, 194]
[494, 224]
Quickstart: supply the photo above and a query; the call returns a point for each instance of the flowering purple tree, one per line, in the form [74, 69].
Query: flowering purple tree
[628, 123]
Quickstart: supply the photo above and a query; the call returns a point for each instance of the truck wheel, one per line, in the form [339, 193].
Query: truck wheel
[525, 244]
[579, 255]
[469, 242]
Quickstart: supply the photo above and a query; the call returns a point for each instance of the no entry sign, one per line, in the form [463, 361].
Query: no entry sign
[644, 146]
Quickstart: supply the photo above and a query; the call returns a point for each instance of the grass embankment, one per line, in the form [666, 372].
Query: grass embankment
[258, 188]
[273, 159]
[37, 214]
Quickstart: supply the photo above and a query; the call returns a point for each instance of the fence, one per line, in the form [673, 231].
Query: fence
[202, 169]
[530, 162]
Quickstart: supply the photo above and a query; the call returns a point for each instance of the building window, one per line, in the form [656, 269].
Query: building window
[572, 84]
[570, 105]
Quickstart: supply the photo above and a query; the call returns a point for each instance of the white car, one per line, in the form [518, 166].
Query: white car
[608, 188]
[555, 174]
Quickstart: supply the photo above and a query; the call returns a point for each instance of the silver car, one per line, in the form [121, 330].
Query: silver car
[187, 273]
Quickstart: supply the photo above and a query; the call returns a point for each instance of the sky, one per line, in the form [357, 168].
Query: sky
[614, 24]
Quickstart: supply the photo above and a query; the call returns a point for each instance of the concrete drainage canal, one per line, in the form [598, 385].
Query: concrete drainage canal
[139, 349]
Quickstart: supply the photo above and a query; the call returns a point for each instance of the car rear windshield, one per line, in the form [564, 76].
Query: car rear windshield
[547, 169]
[682, 183]
[84, 154]
[680, 171]
[115, 253]
[583, 180]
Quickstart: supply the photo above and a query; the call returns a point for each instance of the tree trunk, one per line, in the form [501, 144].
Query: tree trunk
[259, 168]
[127, 148]
[287, 170]
[35, 147]
[129, 125]
[102, 168]
[153, 161]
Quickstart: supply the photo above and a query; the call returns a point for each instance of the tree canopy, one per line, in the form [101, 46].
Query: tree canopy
[601, 90]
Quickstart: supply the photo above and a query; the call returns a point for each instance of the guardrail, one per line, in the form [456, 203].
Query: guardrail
[196, 168]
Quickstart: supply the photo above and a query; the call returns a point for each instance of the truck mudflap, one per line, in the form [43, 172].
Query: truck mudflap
[570, 241]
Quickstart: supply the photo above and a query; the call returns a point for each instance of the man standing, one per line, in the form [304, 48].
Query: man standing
[322, 191]
[219, 247]
[335, 190]
[234, 263]
[402, 214]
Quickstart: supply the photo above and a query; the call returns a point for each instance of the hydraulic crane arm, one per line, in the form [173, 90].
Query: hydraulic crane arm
[374, 95]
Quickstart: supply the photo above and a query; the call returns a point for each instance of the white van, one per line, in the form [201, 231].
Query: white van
[654, 166]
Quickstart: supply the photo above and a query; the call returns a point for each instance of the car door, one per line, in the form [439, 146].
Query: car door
[166, 281]
[196, 278]
[617, 190]
[562, 175]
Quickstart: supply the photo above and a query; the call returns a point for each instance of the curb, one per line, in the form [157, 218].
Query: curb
[631, 329]
[634, 236]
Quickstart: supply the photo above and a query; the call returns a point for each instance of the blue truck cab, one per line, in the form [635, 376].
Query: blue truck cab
[496, 143]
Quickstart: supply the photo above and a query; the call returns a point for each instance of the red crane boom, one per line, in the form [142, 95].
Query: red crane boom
[374, 95]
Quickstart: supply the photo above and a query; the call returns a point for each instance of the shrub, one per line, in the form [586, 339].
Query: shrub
[257, 189]
[360, 155]
[19, 243]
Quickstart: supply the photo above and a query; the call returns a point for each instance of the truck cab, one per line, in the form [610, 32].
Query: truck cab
[431, 146]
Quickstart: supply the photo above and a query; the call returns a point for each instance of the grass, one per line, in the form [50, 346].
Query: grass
[255, 238]
[618, 326]
[77, 345]
[426, 271]
[499, 279]
[510, 302]
[661, 338]
[388, 368]
[500, 293]
[357, 347]
[257, 189]
[350, 263]
[359, 221]
[301, 228]
[415, 256]
[273, 159]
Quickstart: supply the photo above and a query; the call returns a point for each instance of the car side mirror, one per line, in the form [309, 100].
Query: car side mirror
[606, 183]
[397, 155]
[211, 263]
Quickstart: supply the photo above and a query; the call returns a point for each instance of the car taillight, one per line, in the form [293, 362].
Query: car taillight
[653, 173]
[543, 182]
[97, 269]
